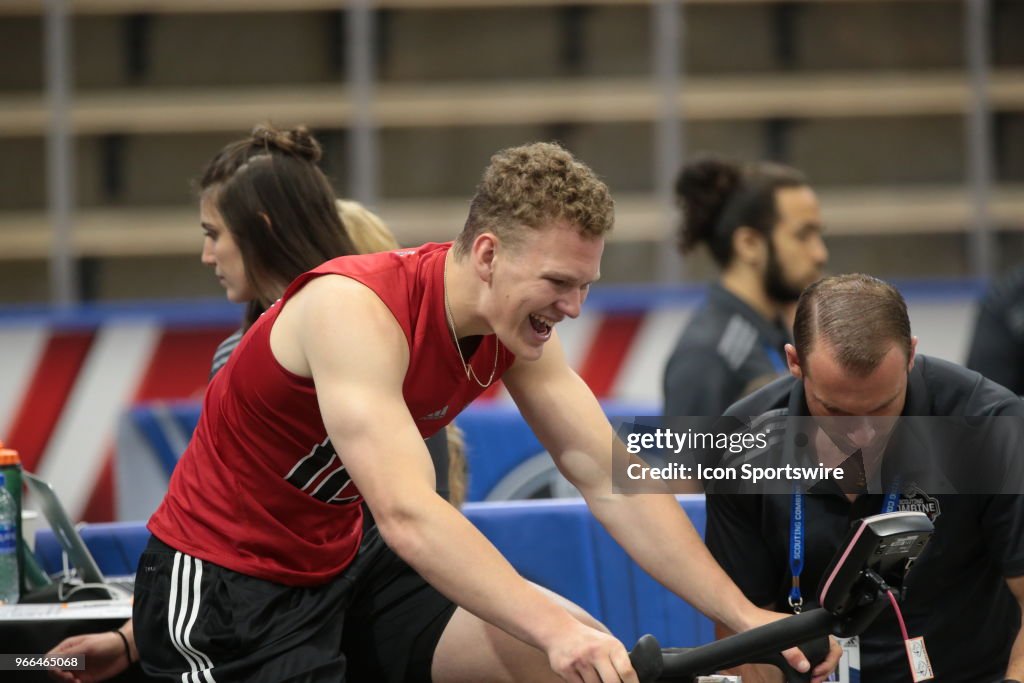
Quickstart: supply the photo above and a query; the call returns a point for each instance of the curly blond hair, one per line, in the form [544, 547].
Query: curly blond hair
[532, 186]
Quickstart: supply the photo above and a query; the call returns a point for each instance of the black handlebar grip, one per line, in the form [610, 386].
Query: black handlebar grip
[815, 650]
[646, 659]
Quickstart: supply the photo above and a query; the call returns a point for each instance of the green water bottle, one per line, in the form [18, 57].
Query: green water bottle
[10, 467]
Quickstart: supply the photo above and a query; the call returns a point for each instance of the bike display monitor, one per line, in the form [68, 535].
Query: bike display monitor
[874, 558]
[877, 553]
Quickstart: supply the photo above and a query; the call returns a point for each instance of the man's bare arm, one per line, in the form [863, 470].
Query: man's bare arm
[653, 529]
[357, 355]
[568, 420]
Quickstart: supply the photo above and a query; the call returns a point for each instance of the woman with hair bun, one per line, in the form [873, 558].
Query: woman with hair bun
[762, 226]
[268, 214]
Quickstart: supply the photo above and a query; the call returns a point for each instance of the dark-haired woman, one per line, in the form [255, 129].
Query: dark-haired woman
[762, 225]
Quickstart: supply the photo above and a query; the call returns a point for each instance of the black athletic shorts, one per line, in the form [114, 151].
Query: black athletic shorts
[199, 622]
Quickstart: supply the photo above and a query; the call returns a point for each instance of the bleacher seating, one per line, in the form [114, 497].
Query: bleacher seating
[848, 211]
[867, 97]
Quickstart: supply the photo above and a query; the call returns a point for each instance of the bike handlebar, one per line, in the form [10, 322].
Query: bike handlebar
[647, 659]
[759, 645]
[815, 650]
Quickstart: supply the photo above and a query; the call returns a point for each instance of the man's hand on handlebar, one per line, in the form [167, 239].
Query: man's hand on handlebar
[588, 655]
[794, 656]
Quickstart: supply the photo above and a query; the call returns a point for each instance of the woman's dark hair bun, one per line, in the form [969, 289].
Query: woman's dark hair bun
[703, 188]
[298, 141]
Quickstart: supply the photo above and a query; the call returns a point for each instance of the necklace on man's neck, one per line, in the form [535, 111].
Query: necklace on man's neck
[470, 373]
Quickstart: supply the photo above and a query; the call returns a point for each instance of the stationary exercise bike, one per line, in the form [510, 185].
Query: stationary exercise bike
[855, 589]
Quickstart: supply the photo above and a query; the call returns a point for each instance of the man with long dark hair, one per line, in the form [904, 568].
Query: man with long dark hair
[762, 225]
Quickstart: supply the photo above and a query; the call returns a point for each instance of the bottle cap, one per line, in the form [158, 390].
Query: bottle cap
[8, 456]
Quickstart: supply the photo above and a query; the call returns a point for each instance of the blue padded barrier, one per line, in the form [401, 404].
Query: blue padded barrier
[116, 547]
[497, 440]
[542, 539]
[550, 542]
[47, 551]
[636, 604]
[555, 543]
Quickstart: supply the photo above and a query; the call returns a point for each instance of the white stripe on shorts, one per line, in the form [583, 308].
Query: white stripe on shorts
[187, 636]
[172, 608]
[176, 612]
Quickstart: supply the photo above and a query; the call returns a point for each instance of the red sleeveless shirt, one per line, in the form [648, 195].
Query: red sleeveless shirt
[260, 488]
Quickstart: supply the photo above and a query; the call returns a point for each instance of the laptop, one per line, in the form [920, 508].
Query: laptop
[75, 550]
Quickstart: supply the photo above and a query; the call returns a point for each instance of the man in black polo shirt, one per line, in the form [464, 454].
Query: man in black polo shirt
[762, 224]
[854, 356]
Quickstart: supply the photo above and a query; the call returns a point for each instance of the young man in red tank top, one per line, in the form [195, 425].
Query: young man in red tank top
[301, 537]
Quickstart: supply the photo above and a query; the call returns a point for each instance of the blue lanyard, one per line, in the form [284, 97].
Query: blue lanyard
[892, 499]
[796, 549]
[796, 538]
